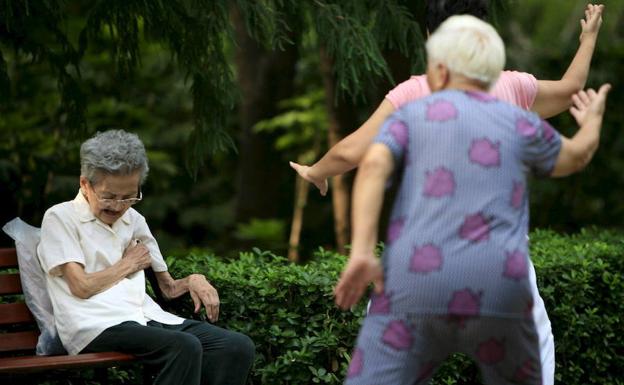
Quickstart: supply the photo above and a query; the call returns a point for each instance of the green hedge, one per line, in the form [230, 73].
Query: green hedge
[302, 338]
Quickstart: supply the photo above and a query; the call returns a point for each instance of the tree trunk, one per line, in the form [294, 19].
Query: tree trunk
[301, 197]
[265, 77]
[341, 115]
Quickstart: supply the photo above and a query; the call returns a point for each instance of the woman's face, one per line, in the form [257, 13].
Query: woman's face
[103, 196]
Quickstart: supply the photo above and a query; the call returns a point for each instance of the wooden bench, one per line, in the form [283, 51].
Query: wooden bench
[19, 333]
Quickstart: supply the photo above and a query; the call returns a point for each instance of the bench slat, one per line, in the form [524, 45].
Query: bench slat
[18, 341]
[15, 313]
[10, 284]
[8, 258]
[39, 363]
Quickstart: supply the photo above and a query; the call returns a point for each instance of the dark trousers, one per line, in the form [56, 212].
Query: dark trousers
[191, 353]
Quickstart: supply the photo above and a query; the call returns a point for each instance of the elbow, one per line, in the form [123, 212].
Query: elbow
[80, 293]
[349, 153]
[375, 166]
[581, 160]
[80, 290]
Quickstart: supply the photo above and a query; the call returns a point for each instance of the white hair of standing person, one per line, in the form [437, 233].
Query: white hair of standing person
[469, 47]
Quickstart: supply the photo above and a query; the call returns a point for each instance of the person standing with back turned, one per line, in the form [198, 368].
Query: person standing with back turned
[455, 275]
[547, 98]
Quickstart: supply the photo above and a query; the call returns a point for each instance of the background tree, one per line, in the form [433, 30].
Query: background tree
[194, 78]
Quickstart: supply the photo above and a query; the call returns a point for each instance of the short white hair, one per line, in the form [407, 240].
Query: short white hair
[469, 47]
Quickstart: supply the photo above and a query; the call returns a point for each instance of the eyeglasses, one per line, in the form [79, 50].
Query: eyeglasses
[120, 202]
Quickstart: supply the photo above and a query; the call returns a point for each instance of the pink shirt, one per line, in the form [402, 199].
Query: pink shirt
[518, 88]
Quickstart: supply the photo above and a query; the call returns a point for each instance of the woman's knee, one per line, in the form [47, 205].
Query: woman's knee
[188, 345]
[241, 347]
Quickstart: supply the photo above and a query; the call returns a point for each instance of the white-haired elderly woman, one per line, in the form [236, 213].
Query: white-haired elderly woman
[455, 266]
[94, 250]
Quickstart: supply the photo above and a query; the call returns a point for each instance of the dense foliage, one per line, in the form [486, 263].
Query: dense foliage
[303, 338]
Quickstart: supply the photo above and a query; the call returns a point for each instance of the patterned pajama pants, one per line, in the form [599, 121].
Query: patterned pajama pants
[395, 350]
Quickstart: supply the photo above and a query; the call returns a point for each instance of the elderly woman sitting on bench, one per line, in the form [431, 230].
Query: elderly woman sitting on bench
[94, 250]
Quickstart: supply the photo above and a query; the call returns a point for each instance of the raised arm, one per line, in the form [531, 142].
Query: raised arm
[368, 192]
[346, 154]
[201, 291]
[554, 97]
[577, 152]
[85, 285]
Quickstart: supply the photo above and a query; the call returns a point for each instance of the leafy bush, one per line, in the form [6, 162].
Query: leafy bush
[286, 309]
[302, 338]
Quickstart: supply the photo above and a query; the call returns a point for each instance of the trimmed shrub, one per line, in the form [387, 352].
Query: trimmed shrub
[288, 311]
[302, 338]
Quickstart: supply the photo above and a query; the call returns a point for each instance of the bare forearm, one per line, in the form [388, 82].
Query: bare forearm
[341, 158]
[85, 285]
[577, 72]
[348, 153]
[172, 288]
[578, 151]
[368, 197]
[586, 140]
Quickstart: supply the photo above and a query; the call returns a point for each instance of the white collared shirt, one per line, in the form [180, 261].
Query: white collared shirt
[71, 233]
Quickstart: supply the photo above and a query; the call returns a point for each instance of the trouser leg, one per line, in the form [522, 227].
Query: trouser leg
[178, 355]
[544, 331]
[398, 350]
[506, 350]
[227, 355]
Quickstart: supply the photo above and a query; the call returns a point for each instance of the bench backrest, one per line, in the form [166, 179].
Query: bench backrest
[18, 330]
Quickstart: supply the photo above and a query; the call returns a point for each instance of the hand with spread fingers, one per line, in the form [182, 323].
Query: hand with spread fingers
[590, 25]
[589, 104]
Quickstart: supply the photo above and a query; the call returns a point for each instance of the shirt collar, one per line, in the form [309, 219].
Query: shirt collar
[84, 210]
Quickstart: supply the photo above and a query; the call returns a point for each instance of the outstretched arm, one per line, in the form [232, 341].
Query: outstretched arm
[554, 97]
[577, 152]
[368, 192]
[346, 154]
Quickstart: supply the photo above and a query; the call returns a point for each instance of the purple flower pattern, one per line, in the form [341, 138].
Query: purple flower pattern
[395, 229]
[426, 259]
[475, 228]
[525, 128]
[399, 131]
[485, 153]
[398, 336]
[516, 266]
[439, 182]
[380, 303]
[491, 351]
[547, 131]
[517, 195]
[357, 363]
[441, 111]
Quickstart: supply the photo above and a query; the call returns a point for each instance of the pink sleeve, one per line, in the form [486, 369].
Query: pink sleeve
[519, 88]
[414, 88]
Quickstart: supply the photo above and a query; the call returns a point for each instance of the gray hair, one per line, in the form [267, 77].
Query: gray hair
[115, 152]
[469, 47]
